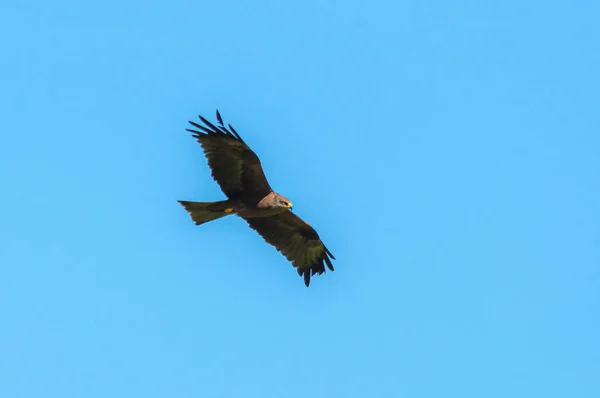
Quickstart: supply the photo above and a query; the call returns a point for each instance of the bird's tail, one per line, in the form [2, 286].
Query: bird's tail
[202, 212]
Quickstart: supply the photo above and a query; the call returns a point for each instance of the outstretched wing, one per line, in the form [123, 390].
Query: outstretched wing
[296, 240]
[235, 167]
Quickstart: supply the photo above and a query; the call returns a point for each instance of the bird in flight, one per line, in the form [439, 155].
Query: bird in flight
[238, 171]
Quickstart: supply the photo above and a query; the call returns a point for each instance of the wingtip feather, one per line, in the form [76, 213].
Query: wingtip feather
[328, 252]
[209, 124]
[216, 130]
[235, 133]
[329, 264]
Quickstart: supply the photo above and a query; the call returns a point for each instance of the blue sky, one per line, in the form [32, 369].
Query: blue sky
[448, 153]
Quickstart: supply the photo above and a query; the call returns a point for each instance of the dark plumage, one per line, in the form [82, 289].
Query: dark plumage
[238, 171]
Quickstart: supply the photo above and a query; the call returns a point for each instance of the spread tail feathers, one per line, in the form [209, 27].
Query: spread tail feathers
[202, 212]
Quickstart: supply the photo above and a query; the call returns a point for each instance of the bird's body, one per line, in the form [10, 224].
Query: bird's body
[238, 171]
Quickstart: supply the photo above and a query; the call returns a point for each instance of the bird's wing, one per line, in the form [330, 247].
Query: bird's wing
[235, 167]
[296, 240]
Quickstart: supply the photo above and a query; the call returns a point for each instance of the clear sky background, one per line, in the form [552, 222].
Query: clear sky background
[448, 153]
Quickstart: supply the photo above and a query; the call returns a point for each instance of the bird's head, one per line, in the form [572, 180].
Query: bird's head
[275, 202]
[282, 201]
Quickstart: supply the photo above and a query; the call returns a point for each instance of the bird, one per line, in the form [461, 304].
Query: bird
[238, 171]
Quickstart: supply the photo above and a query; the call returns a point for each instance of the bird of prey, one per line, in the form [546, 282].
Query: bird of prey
[238, 171]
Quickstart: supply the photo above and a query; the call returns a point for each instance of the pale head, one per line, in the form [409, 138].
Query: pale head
[275, 201]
